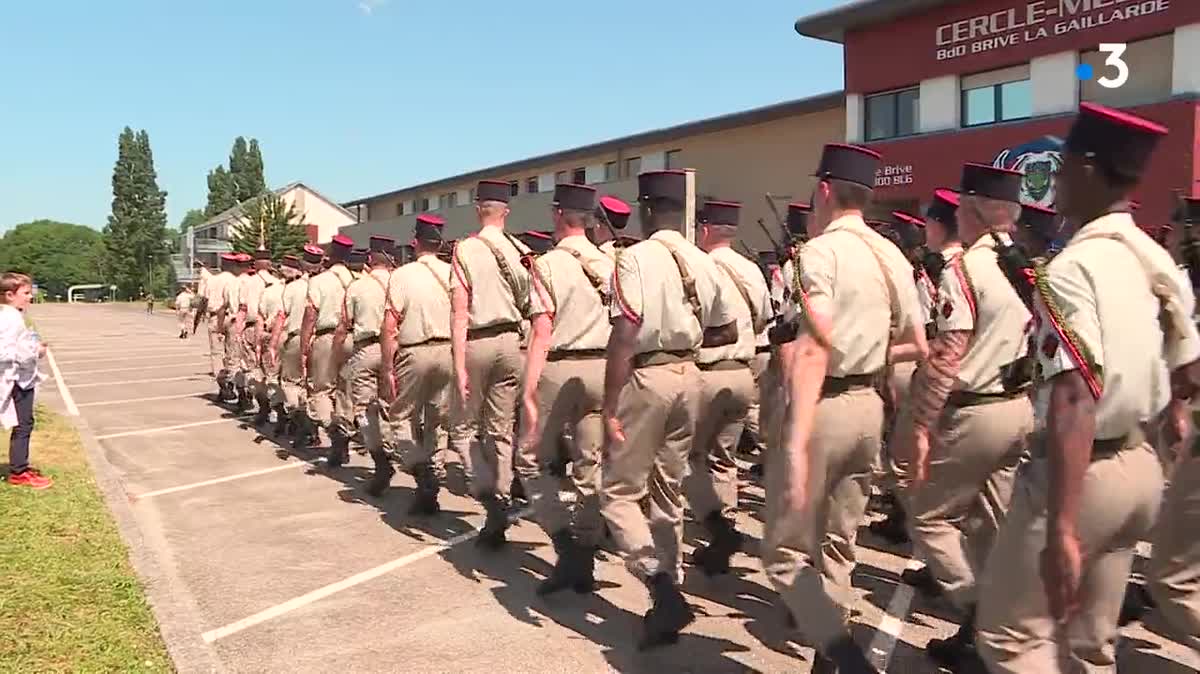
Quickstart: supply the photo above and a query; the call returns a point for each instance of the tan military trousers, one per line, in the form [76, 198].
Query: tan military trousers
[185, 320]
[216, 349]
[232, 362]
[757, 422]
[272, 383]
[1015, 633]
[424, 374]
[570, 393]
[657, 409]
[291, 374]
[809, 554]
[769, 399]
[495, 366]
[712, 482]
[357, 387]
[891, 472]
[955, 516]
[322, 378]
[250, 375]
[1174, 573]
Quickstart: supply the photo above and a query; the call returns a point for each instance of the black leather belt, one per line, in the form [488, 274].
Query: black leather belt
[493, 330]
[577, 354]
[960, 399]
[762, 349]
[324, 331]
[652, 358]
[723, 365]
[429, 342]
[366, 341]
[1108, 447]
[834, 386]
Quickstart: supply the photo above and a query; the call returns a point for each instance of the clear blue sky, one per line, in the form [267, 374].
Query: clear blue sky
[357, 97]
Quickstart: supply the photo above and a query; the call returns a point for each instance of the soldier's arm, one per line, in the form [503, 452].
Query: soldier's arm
[933, 381]
[387, 354]
[1070, 432]
[459, 318]
[721, 328]
[339, 333]
[307, 325]
[277, 334]
[542, 325]
[619, 362]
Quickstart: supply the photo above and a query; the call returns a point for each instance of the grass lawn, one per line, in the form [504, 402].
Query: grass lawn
[69, 600]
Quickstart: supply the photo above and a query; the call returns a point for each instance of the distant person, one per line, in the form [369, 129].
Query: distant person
[19, 377]
[149, 303]
[183, 310]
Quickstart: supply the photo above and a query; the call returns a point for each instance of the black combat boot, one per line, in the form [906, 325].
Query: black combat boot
[958, 651]
[339, 449]
[713, 559]
[517, 491]
[425, 502]
[303, 432]
[669, 614]
[282, 422]
[843, 657]
[491, 536]
[382, 479]
[892, 529]
[263, 416]
[574, 568]
[243, 401]
[922, 581]
[1136, 603]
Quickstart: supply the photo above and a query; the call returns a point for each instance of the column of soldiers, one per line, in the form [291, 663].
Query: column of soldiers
[1025, 404]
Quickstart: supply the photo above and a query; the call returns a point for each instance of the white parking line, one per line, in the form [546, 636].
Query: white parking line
[142, 381]
[124, 401]
[227, 478]
[345, 584]
[63, 391]
[892, 622]
[197, 363]
[176, 427]
[118, 360]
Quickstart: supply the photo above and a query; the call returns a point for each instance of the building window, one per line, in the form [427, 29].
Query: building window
[610, 171]
[514, 188]
[997, 96]
[1151, 64]
[562, 178]
[422, 204]
[452, 199]
[579, 176]
[531, 185]
[673, 159]
[892, 114]
[400, 208]
[471, 195]
[633, 166]
[446, 200]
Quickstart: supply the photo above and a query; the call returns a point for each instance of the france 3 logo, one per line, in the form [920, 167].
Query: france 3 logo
[1115, 61]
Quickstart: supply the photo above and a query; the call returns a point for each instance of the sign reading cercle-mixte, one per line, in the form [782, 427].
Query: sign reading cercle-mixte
[1033, 21]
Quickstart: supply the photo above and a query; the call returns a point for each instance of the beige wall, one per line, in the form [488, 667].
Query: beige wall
[316, 211]
[740, 164]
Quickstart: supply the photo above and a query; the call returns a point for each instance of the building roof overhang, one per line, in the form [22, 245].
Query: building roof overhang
[832, 25]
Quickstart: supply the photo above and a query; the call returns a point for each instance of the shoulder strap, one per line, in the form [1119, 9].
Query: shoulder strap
[893, 294]
[593, 277]
[445, 286]
[964, 281]
[507, 272]
[689, 282]
[742, 290]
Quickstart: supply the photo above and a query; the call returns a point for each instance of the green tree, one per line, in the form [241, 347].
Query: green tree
[136, 236]
[57, 254]
[273, 223]
[246, 169]
[221, 195]
[193, 218]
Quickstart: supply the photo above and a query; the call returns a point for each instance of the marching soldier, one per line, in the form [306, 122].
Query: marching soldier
[271, 315]
[253, 377]
[230, 327]
[726, 389]
[491, 298]
[214, 304]
[853, 286]
[184, 310]
[761, 417]
[416, 342]
[967, 427]
[668, 302]
[362, 320]
[287, 343]
[1113, 321]
[615, 213]
[322, 353]
[564, 386]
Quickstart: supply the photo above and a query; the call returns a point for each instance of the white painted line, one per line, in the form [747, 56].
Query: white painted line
[892, 623]
[143, 381]
[176, 427]
[134, 369]
[345, 584]
[228, 478]
[118, 360]
[124, 401]
[63, 391]
[122, 348]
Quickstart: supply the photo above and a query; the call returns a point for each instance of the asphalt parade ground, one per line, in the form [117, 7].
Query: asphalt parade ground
[259, 559]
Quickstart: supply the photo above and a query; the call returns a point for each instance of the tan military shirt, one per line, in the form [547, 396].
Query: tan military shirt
[927, 288]
[233, 293]
[492, 300]
[327, 294]
[841, 279]
[648, 290]
[609, 248]
[183, 301]
[366, 299]
[735, 270]
[271, 302]
[975, 296]
[251, 292]
[215, 290]
[579, 313]
[420, 293]
[295, 301]
[1102, 292]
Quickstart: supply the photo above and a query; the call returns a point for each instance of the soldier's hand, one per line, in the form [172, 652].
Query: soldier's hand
[613, 431]
[920, 456]
[1062, 568]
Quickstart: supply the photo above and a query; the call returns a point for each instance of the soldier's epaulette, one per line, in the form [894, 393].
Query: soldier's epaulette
[1088, 368]
[803, 308]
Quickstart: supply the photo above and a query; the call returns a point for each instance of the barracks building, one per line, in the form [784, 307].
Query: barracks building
[933, 83]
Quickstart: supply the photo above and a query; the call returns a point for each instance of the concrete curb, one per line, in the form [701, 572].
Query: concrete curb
[172, 604]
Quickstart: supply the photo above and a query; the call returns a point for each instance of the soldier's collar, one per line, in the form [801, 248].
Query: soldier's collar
[667, 233]
[850, 221]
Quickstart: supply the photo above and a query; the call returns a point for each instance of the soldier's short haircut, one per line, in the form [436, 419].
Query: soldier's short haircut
[656, 211]
[726, 231]
[577, 218]
[850, 196]
[994, 214]
[11, 282]
[492, 208]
